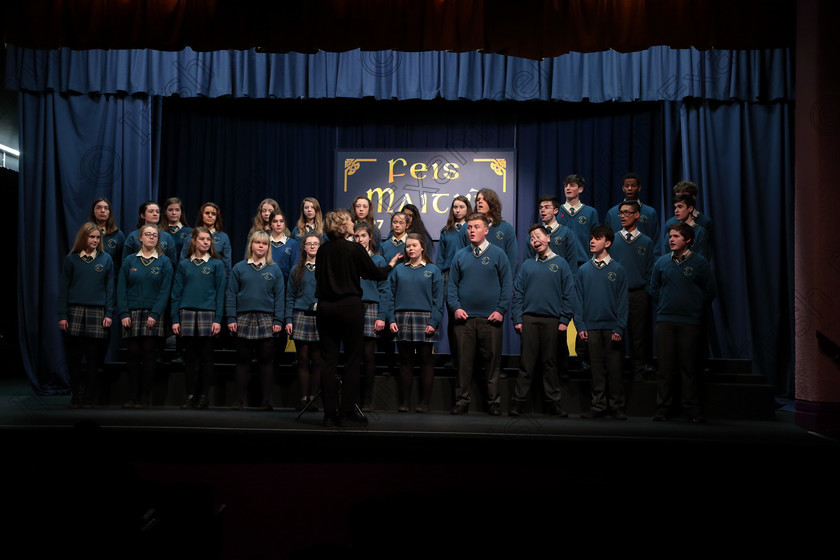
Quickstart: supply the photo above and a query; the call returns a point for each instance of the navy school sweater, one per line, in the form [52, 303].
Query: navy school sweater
[480, 285]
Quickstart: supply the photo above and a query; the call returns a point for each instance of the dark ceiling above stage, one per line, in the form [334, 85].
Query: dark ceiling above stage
[524, 28]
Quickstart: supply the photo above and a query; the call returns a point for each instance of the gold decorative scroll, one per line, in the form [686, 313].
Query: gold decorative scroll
[351, 166]
[499, 166]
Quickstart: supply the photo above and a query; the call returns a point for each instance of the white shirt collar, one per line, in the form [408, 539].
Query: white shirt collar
[606, 260]
[205, 258]
[155, 254]
[574, 209]
[633, 234]
[481, 248]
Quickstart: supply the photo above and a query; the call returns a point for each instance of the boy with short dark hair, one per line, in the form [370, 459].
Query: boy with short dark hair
[576, 215]
[602, 289]
[563, 240]
[684, 213]
[543, 303]
[648, 219]
[480, 286]
[682, 286]
[691, 188]
[634, 250]
[688, 188]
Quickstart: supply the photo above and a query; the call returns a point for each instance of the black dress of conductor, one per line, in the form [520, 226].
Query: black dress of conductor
[340, 315]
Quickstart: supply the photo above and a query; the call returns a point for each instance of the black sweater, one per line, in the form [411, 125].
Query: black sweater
[339, 265]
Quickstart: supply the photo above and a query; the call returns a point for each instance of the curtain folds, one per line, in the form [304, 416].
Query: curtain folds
[656, 74]
[77, 148]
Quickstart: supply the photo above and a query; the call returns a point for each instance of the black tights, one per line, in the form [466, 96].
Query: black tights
[423, 351]
[245, 351]
[198, 359]
[310, 364]
[83, 384]
[142, 361]
[368, 369]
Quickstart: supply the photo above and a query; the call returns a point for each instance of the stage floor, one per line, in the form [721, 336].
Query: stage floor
[250, 484]
[22, 410]
[157, 433]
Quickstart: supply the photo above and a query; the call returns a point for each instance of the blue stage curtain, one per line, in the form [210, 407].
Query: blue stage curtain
[656, 74]
[741, 155]
[91, 123]
[77, 148]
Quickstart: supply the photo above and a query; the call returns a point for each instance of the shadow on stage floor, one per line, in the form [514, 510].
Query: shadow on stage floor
[252, 484]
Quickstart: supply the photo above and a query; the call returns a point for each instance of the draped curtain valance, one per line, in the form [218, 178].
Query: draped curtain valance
[656, 74]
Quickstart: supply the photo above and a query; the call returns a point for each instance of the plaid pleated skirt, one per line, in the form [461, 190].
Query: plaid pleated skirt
[85, 321]
[371, 311]
[138, 324]
[412, 326]
[196, 322]
[254, 326]
[304, 328]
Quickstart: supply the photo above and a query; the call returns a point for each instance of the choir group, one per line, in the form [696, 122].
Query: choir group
[608, 279]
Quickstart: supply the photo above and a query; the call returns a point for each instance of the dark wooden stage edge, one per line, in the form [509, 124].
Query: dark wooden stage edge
[252, 484]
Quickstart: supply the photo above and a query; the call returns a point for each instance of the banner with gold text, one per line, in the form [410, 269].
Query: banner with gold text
[428, 179]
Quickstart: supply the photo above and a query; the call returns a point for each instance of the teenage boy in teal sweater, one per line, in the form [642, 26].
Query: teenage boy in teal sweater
[682, 286]
[563, 240]
[602, 286]
[648, 220]
[576, 215]
[543, 303]
[634, 250]
[684, 213]
[480, 286]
